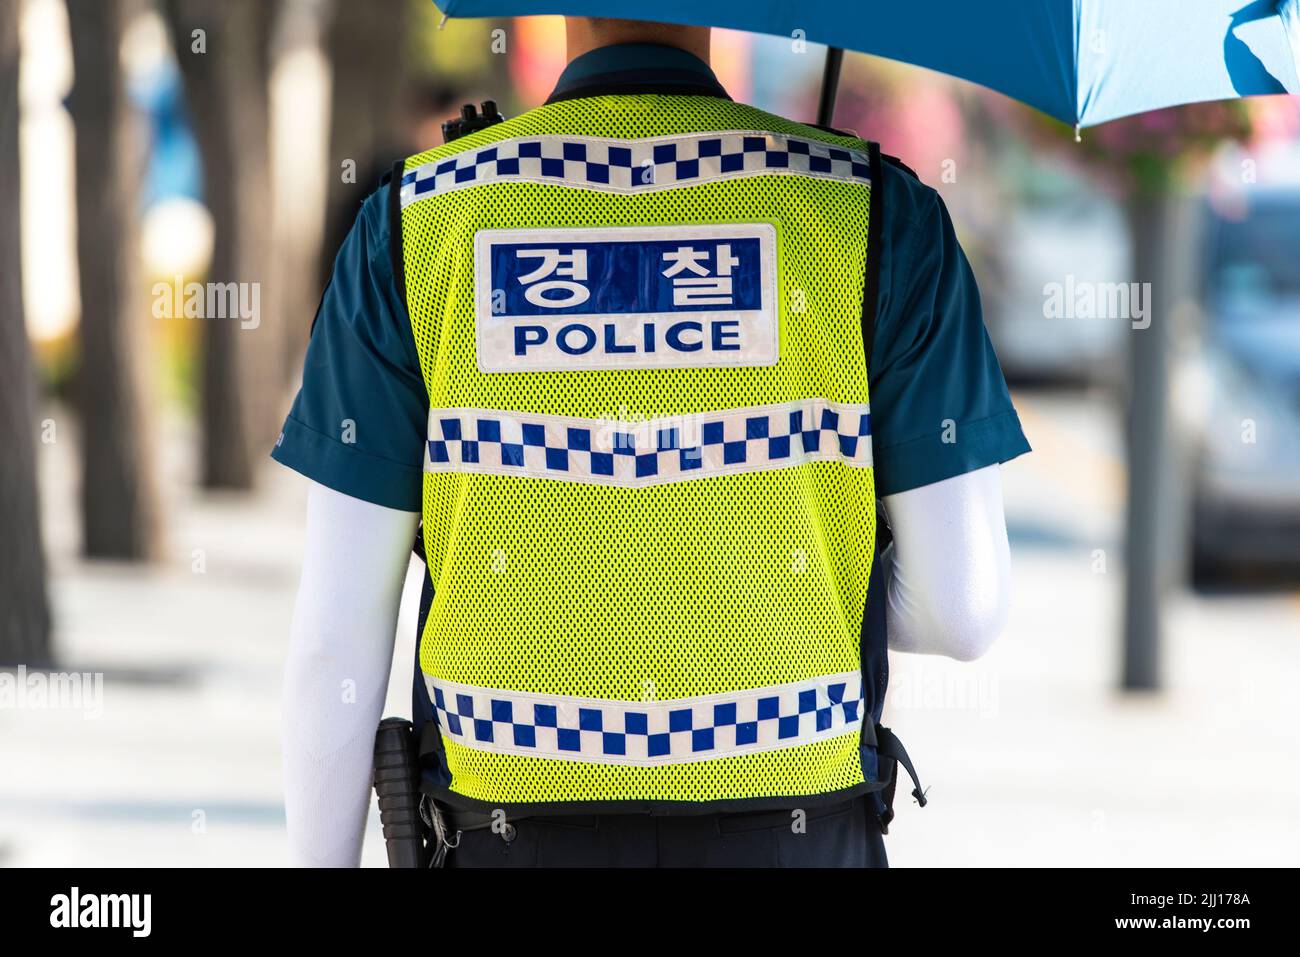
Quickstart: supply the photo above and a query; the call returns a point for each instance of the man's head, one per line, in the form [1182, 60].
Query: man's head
[588, 33]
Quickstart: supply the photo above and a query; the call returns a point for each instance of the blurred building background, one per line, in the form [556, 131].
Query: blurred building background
[153, 549]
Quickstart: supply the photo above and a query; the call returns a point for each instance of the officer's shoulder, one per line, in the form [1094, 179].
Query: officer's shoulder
[377, 200]
[369, 222]
[907, 199]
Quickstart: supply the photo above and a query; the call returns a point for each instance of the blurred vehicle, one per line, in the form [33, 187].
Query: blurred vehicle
[1066, 233]
[1246, 498]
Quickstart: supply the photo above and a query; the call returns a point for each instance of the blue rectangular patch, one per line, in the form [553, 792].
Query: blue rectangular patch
[626, 297]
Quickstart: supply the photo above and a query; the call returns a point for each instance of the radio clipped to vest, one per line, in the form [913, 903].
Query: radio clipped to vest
[471, 120]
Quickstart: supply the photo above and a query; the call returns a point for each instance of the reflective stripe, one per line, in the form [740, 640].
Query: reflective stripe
[634, 454]
[634, 166]
[650, 733]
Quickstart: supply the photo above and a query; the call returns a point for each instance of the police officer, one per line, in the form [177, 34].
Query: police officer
[645, 361]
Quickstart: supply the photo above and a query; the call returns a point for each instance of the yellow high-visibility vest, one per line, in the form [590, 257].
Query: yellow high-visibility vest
[649, 513]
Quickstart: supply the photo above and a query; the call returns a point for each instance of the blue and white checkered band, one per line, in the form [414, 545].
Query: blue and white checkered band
[633, 454]
[649, 733]
[634, 166]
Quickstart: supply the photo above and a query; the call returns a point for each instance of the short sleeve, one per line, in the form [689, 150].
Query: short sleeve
[939, 402]
[358, 423]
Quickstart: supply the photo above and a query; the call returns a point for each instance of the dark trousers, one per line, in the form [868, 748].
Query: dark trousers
[842, 835]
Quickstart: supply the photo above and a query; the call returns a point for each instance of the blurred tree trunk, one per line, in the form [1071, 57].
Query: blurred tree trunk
[366, 45]
[118, 494]
[223, 53]
[24, 610]
[299, 175]
[1163, 232]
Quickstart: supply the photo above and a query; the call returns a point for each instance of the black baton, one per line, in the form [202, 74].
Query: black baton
[397, 782]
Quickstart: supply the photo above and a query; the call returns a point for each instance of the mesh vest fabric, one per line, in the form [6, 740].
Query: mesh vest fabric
[679, 590]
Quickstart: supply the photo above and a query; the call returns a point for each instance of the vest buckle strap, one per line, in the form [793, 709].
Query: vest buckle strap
[891, 749]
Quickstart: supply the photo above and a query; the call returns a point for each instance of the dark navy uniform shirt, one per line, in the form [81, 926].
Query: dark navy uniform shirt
[358, 424]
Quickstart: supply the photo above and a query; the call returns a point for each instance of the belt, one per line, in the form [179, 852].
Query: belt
[458, 820]
[449, 823]
[461, 820]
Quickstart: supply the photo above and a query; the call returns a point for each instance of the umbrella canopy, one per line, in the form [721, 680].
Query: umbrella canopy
[1081, 61]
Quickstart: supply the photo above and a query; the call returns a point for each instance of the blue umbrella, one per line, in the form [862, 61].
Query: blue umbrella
[1081, 61]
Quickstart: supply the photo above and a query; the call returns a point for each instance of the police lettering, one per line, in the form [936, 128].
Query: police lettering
[571, 292]
[582, 338]
[702, 288]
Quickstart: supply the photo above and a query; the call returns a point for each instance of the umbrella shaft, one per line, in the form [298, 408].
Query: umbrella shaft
[830, 86]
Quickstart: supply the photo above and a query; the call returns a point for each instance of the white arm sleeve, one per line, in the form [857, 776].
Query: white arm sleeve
[336, 674]
[949, 580]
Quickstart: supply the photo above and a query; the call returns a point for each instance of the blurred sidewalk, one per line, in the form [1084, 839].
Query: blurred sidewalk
[183, 766]
[1030, 755]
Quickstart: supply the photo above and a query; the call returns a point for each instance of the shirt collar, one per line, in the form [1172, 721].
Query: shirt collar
[637, 68]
